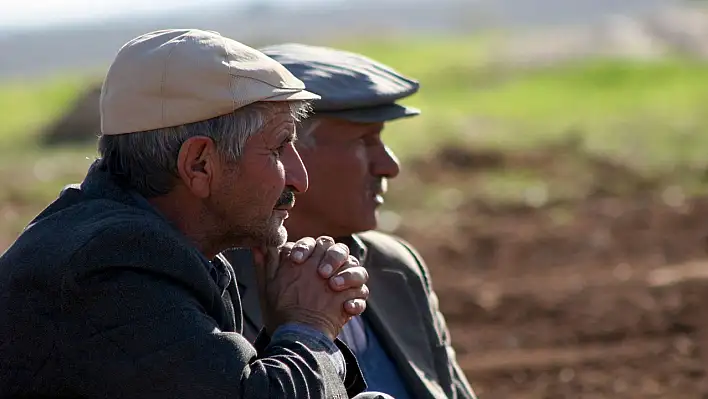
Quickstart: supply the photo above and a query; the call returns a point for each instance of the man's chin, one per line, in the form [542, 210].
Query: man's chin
[370, 221]
[274, 236]
[278, 237]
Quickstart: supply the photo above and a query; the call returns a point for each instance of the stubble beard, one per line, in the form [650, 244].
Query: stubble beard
[268, 231]
[270, 234]
[277, 234]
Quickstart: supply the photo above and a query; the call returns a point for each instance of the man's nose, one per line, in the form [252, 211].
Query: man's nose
[384, 162]
[295, 171]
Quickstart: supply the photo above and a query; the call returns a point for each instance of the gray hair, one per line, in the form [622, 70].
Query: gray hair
[305, 138]
[147, 161]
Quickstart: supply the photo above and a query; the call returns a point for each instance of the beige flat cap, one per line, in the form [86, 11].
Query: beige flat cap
[177, 76]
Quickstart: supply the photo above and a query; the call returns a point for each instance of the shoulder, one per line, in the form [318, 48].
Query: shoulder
[86, 244]
[388, 244]
[100, 233]
[113, 226]
[395, 252]
[135, 238]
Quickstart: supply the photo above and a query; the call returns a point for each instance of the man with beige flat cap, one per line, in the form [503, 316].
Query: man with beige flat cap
[117, 288]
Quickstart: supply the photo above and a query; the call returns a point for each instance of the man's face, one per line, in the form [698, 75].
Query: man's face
[348, 166]
[255, 194]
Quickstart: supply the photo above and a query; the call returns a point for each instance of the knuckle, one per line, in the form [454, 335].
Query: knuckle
[365, 275]
[359, 271]
[362, 306]
[359, 275]
[322, 240]
[360, 292]
[300, 247]
[336, 252]
[353, 261]
[286, 250]
[343, 248]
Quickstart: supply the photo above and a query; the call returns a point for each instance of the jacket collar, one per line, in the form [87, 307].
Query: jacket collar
[98, 183]
[357, 248]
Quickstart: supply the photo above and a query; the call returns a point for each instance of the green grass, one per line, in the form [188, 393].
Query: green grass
[29, 106]
[613, 104]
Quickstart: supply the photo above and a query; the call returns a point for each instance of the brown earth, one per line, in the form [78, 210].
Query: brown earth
[608, 303]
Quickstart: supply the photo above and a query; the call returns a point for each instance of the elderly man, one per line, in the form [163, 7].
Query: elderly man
[402, 342]
[109, 293]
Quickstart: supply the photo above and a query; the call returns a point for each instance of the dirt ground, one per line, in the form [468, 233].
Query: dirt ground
[606, 304]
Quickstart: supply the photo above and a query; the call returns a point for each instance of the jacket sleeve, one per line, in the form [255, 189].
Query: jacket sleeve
[145, 337]
[145, 326]
[461, 388]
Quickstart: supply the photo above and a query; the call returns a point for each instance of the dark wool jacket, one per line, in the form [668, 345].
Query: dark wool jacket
[100, 297]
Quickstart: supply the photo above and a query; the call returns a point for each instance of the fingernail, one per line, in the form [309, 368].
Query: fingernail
[339, 281]
[297, 256]
[327, 269]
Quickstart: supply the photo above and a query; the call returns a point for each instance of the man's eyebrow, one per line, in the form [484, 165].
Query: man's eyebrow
[285, 136]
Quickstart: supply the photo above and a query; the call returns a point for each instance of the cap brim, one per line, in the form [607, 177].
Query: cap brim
[301, 95]
[381, 113]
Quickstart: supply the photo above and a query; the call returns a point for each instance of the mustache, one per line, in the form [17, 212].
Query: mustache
[380, 186]
[287, 198]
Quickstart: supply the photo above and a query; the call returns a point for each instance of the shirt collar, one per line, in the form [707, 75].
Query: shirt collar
[357, 248]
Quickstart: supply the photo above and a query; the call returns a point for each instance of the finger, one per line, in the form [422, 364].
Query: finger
[321, 245]
[354, 307]
[335, 257]
[286, 251]
[324, 243]
[302, 249]
[361, 292]
[351, 277]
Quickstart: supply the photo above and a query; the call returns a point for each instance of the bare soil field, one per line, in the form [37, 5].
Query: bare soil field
[607, 303]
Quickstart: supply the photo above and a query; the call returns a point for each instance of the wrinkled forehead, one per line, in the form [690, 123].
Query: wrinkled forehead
[279, 123]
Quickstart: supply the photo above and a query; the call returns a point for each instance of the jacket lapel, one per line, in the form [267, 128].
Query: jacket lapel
[391, 304]
[242, 264]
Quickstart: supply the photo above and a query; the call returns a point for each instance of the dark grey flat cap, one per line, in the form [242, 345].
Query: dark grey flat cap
[352, 86]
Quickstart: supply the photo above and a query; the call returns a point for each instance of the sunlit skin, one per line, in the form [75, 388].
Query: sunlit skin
[220, 204]
[348, 168]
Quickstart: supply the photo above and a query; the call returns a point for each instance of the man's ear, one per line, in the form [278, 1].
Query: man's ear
[197, 163]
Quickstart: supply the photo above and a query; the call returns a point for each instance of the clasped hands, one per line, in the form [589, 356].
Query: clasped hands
[312, 282]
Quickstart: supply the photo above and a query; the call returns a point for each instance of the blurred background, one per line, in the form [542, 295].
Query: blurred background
[555, 183]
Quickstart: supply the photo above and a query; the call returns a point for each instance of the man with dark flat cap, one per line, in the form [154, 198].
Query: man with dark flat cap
[401, 340]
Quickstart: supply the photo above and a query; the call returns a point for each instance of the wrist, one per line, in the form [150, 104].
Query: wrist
[314, 339]
[311, 322]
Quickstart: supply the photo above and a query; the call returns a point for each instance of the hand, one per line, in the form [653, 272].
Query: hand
[293, 293]
[349, 275]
